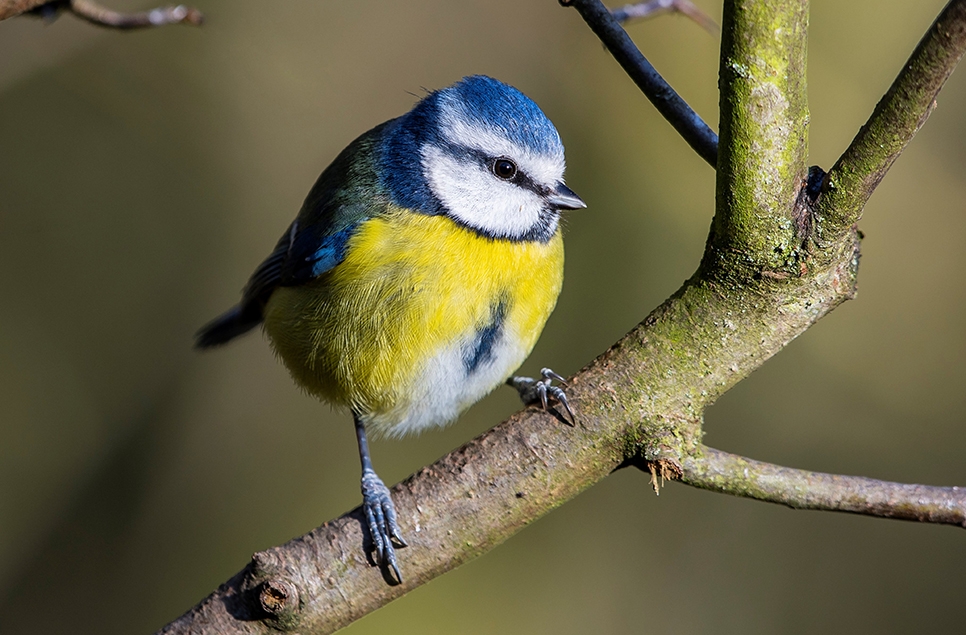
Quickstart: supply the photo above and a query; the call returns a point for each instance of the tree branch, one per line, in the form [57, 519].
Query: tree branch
[643, 10]
[101, 16]
[895, 121]
[764, 137]
[643, 397]
[11, 8]
[677, 112]
[96, 14]
[799, 489]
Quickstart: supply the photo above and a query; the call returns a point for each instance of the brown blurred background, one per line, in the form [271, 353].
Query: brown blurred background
[144, 175]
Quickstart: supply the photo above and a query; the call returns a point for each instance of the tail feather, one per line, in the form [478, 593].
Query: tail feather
[234, 322]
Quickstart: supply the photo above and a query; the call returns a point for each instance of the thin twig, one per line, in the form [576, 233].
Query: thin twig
[644, 10]
[897, 118]
[678, 113]
[102, 16]
[800, 489]
[96, 14]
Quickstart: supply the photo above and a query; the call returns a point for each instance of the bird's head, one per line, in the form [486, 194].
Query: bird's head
[482, 153]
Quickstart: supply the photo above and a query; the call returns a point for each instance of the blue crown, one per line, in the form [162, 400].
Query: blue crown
[479, 100]
[495, 105]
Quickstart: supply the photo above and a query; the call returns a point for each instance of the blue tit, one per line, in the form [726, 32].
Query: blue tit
[419, 272]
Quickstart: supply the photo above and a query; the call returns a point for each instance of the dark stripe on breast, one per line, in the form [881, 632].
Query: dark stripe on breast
[481, 350]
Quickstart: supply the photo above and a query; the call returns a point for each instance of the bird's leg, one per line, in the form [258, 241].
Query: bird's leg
[534, 391]
[378, 507]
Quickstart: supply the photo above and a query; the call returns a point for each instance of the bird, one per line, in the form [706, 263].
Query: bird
[419, 272]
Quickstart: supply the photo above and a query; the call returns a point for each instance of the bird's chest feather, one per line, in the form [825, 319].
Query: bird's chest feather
[420, 320]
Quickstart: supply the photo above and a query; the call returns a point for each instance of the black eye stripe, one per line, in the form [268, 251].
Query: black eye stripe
[520, 179]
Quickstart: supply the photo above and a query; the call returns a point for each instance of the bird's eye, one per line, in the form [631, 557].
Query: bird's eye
[505, 169]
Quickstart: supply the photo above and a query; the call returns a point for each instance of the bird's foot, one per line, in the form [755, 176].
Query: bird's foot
[381, 518]
[541, 390]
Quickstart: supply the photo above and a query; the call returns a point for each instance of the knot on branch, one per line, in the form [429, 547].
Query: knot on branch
[279, 599]
[269, 593]
[804, 216]
[806, 206]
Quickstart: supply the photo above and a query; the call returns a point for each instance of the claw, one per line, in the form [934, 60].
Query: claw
[542, 390]
[558, 394]
[381, 519]
[549, 374]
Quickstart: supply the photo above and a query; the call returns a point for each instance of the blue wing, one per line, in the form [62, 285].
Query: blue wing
[346, 194]
[298, 257]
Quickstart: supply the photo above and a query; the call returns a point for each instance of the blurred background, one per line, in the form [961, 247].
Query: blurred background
[144, 175]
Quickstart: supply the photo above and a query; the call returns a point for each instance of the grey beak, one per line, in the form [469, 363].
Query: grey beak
[562, 197]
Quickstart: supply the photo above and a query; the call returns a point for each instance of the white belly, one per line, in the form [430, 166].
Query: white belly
[448, 385]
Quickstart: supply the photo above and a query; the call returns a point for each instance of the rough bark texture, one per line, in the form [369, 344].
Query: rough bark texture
[763, 281]
[11, 8]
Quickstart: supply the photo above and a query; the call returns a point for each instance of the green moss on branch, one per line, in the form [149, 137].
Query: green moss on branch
[764, 134]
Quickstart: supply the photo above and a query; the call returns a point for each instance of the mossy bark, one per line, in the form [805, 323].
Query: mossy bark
[764, 138]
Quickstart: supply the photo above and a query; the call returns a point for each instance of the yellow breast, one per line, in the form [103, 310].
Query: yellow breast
[380, 331]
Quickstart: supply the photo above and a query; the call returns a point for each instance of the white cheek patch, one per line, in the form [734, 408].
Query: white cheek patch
[479, 199]
[545, 169]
